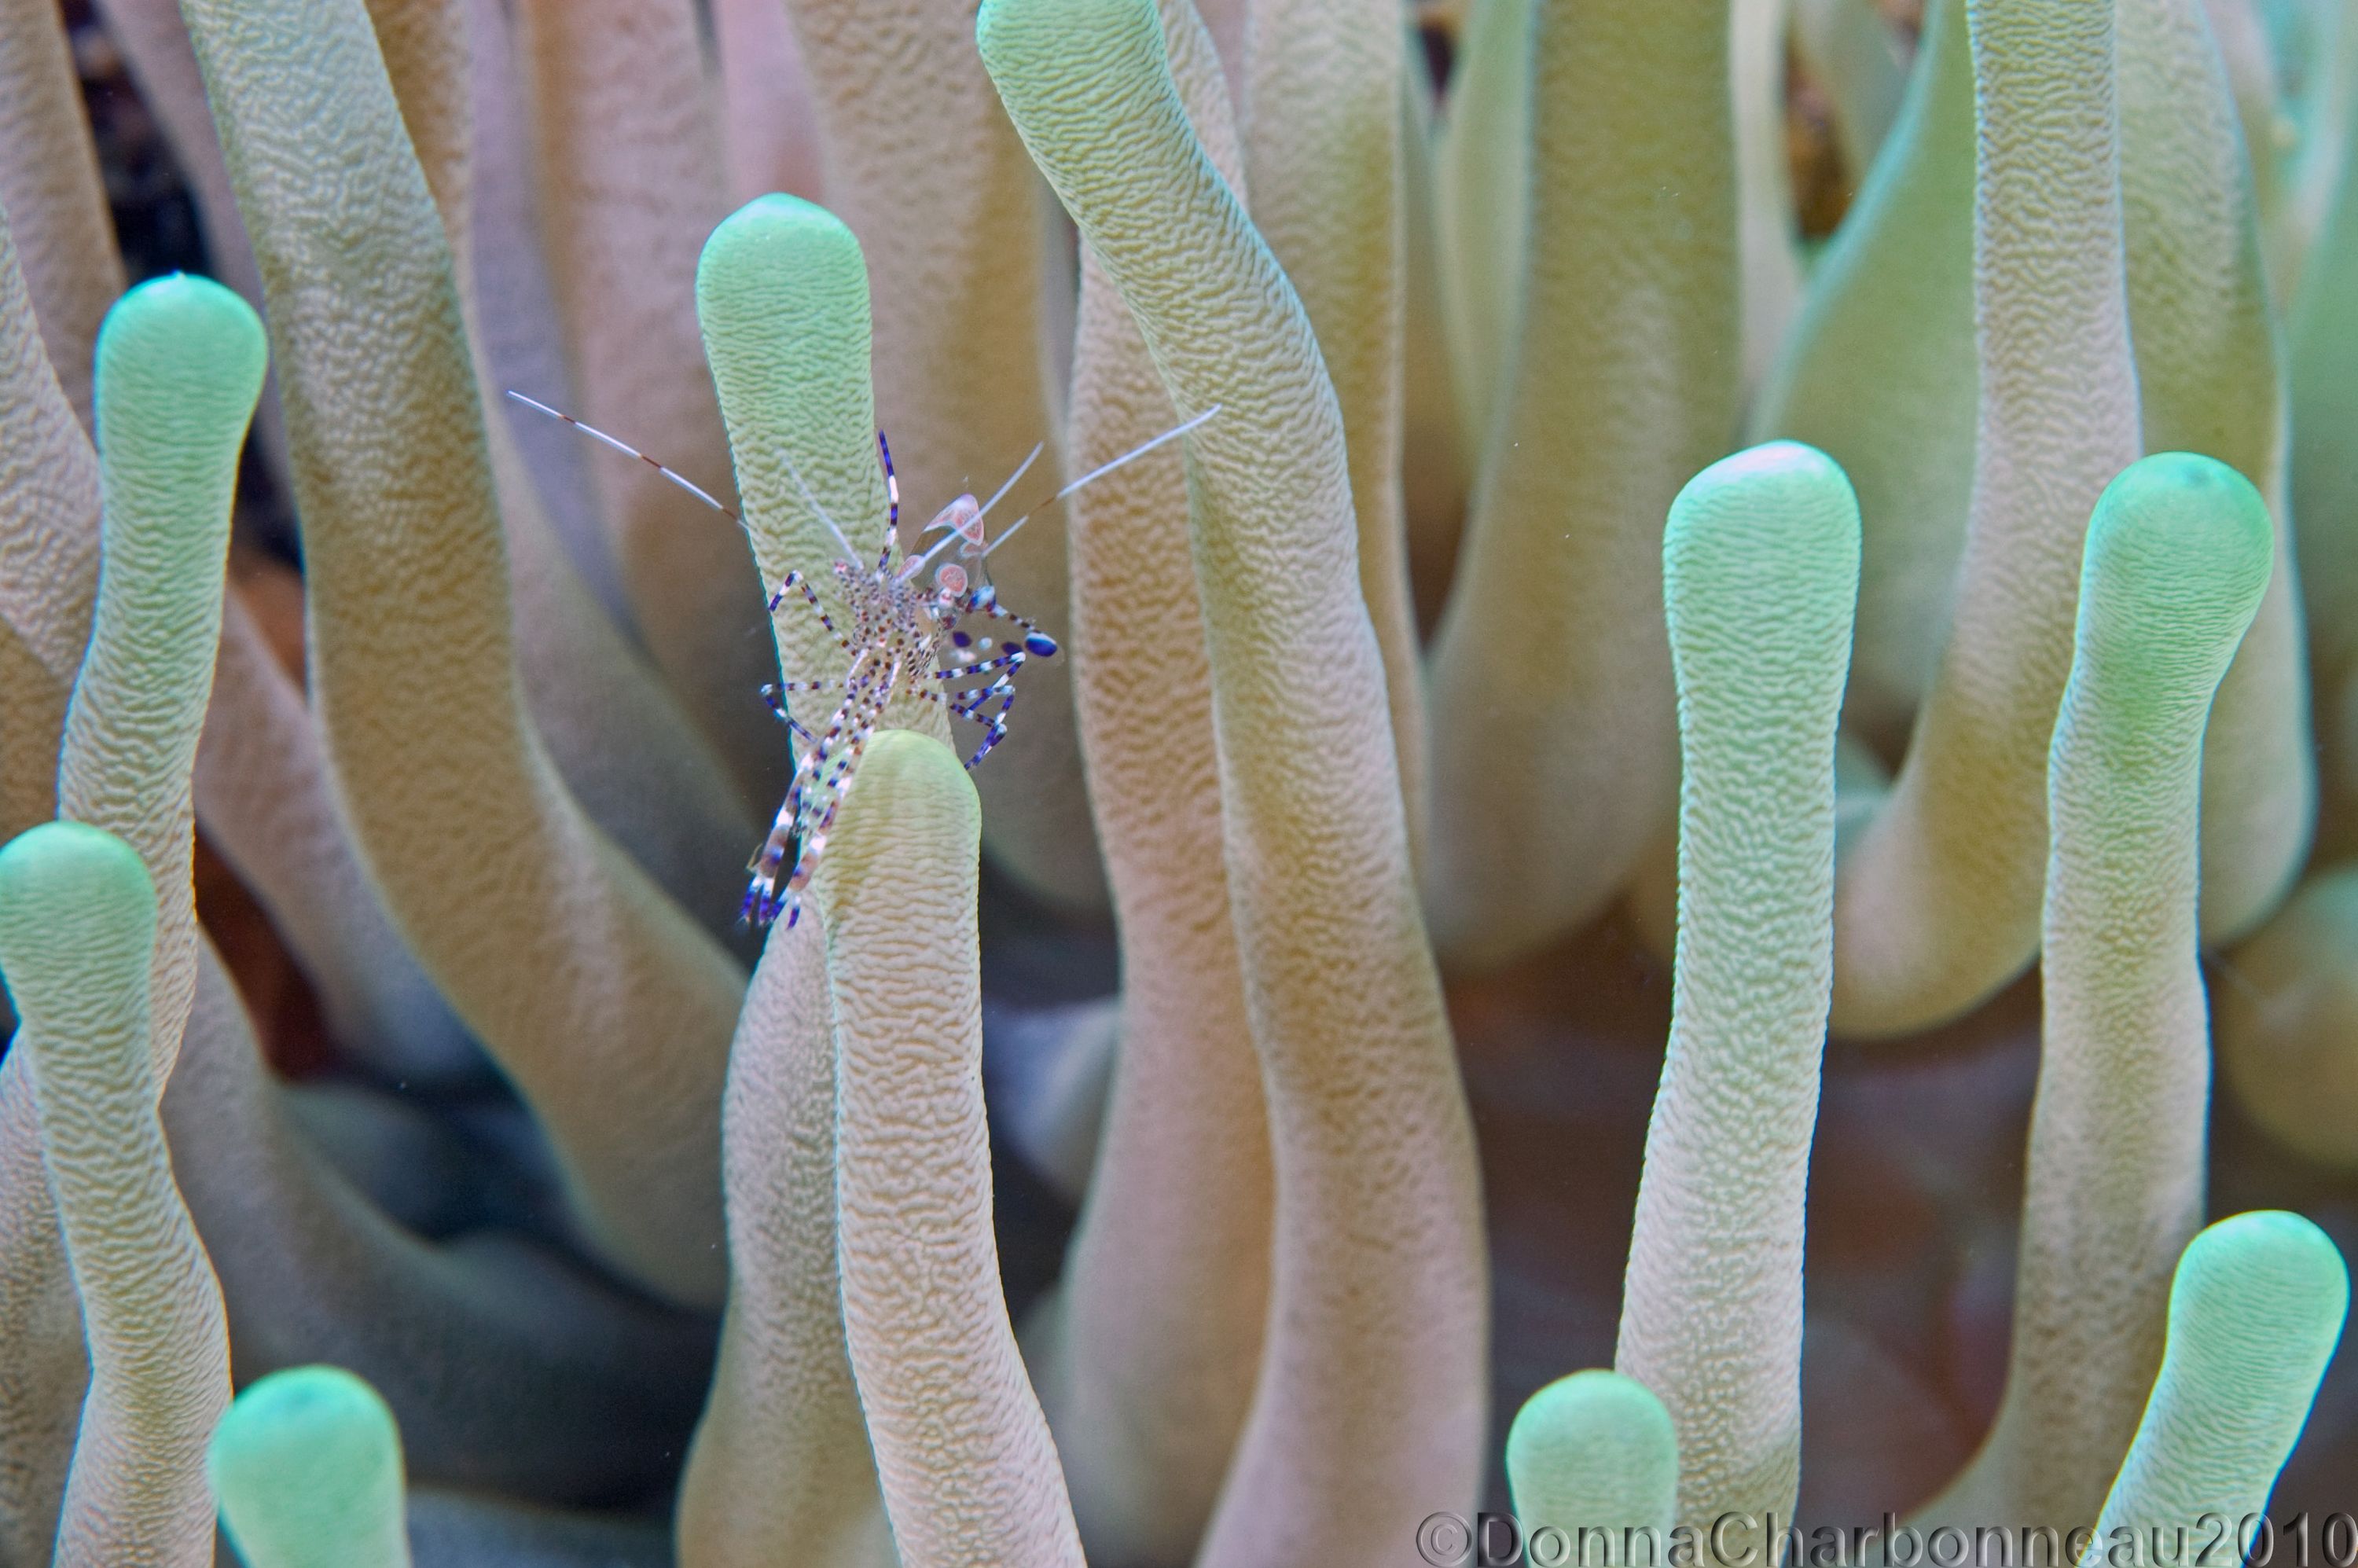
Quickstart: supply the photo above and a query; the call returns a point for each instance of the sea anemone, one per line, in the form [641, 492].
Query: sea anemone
[1570, 610]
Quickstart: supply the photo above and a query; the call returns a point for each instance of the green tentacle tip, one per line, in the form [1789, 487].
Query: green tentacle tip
[73, 893]
[2266, 1282]
[1781, 509]
[185, 351]
[1595, 1449]
[782, 297]
[2255, 1309]
[2180, 542]
[306, 1466]
[771, 240]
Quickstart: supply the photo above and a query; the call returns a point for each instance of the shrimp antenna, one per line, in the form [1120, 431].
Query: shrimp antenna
[681, 480]
[1102, 469]
[944, 543]
[1001, 493]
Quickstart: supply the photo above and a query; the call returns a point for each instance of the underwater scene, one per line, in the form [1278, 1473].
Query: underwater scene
[1178, 783]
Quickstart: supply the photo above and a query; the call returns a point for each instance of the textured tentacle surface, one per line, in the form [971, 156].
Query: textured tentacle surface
[1323, 164]
[969, 1472]
[1879, 373]
[630, 181]
[516, 324]
[1761, 573]
[1937, 900]
[1370, 1402]
[1166, 1285]
[155, 44]
[2256, 1305]
[49, 187]
[1554, 759]
[49, 555]
[77, 938]
[607, 1006]
[638, 766]
[44, 1368]
[782, 291]
[2177, 560]
[781, 1466]
[179, 365]
[2210, 380]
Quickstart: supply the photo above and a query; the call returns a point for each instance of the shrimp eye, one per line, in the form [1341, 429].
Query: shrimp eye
[1040, 645]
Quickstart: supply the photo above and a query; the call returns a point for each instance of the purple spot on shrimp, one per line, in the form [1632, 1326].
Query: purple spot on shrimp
[1039, 644]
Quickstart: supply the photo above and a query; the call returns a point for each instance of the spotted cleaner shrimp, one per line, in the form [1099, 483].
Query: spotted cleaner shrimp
[905, 640]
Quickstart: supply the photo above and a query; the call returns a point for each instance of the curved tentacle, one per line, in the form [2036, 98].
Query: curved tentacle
[1937, 901]
[2256, 1305]
[77, 942]
[1554, 739]
[781, 1466]
[1158, 1329]
[1760, 577]
[2177, 559]
[610, 1008]
[630, 181]
[1594, 1452]
[50, 189]
[1370, 1404]
[969, 1469]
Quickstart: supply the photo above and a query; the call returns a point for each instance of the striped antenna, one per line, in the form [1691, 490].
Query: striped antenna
[919, 563]
[681, 480]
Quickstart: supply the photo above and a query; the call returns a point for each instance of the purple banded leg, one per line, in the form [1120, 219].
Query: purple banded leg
[854, 726]
[892, 502]
[1036, 642]
[1008, 661]
[795, 580]
[763, 898]
[775, 696]
[994, 725]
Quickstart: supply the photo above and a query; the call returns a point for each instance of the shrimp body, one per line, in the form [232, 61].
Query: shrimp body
[903, 641]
